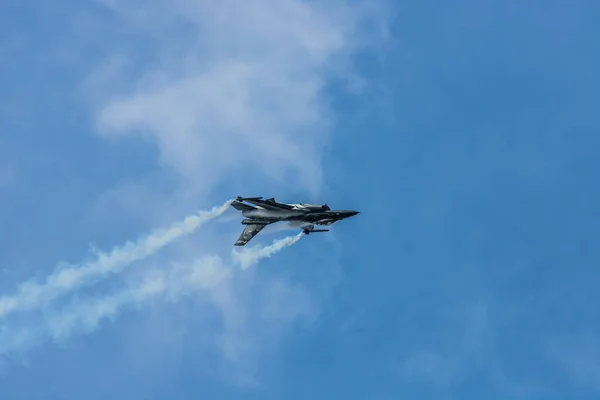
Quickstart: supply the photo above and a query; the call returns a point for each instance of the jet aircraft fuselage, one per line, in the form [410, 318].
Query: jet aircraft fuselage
[304, 216]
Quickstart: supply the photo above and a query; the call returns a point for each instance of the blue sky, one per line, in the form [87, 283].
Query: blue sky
[465, 133]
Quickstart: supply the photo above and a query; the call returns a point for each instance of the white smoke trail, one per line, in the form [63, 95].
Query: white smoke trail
[32, 294]
[85, 317]
[203, 274]
[250, 256]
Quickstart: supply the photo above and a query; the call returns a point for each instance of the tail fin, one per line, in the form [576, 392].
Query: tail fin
[241, 206]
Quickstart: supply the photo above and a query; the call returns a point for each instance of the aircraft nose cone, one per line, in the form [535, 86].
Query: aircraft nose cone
[353, 213]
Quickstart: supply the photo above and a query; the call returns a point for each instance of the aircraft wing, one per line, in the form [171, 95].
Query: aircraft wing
[269, 204]
[248, 233]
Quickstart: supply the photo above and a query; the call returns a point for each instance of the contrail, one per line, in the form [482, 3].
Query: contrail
[31, 294]
[202, 274]
[85, 317]
[252, 255]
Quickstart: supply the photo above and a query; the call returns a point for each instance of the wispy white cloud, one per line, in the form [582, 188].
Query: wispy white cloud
[235, 92]
[243, 89]
[67, 279]
[234, 96]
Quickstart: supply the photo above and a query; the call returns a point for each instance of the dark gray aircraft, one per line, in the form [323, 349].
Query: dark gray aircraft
[265, 212]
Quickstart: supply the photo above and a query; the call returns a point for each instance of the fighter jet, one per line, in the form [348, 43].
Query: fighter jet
[266, 212]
